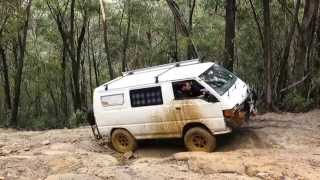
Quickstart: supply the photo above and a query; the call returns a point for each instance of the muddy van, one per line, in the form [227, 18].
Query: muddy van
[192, 100]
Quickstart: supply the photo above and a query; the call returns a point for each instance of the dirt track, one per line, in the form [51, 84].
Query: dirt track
[271, 146]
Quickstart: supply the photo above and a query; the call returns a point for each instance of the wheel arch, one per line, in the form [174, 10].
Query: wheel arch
[115, 128]
[194, 124]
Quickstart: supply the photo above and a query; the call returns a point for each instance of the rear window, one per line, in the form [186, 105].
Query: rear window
[112, 100]
[146, 97]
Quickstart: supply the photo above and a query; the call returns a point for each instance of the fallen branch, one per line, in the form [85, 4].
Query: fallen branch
[295, 84]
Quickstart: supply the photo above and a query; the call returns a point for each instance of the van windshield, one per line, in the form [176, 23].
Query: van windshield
[219, 78]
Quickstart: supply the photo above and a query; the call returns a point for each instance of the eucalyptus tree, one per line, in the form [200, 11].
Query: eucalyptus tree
[67, 19]
[17, 15]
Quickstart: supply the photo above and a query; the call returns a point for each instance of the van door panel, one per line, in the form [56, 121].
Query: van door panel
[164, 121]
[194, 109]
[199, 110]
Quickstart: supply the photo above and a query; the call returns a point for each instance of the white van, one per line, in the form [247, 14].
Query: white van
[187, 99]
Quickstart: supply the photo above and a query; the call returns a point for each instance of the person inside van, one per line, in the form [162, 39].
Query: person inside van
[188, 89]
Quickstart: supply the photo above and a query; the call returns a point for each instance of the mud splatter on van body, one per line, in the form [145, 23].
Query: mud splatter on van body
[173, 118]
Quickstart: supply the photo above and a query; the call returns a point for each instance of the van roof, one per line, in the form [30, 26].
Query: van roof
[167, 72]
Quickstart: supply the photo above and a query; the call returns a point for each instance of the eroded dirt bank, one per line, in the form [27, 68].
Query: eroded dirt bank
[271, 146]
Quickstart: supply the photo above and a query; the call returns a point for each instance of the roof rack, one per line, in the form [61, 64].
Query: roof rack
[106, 84]
[163, 66]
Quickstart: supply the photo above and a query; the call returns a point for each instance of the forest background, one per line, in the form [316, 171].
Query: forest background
[54, 53]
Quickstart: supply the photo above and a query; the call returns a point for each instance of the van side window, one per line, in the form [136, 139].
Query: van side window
[191, 89]
[112, 100]
[187, 89]
[146, 97]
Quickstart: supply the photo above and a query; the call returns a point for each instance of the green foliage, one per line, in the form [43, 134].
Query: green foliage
[78, 119]
[295, 102]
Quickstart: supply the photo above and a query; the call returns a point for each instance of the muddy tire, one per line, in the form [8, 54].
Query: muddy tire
[199, 139]
[122, 141]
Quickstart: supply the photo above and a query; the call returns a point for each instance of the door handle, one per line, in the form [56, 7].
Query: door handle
[178, 108]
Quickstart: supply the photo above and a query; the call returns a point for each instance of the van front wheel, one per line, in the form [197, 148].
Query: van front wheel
[122, 141]
[199, 139]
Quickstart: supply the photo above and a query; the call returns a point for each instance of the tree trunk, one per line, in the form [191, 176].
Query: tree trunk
[80, 41]
[90, 75]
[317, 63]
[22, 37]
[95, 68]
[230, 33]
[63, 89]
[54, 101]
[255, 16]
[181, 24]
[267, 52]
[103, 6]
[5, 72]
[305, 38]
[283, 76]
[191, 5]
[126, 39]
[6, 78]
[83, 83]
[176, 45]
[75, 67]
[89, 61]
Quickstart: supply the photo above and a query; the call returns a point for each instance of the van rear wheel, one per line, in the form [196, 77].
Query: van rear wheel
[122, 141]
[199, 139]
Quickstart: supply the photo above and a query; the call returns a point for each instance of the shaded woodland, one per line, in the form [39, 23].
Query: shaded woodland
[54, 53]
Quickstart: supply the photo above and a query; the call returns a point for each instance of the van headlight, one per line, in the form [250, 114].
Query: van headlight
[232, 113]
[229, 113]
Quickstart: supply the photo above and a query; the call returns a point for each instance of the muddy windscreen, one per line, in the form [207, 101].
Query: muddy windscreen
[219, 78]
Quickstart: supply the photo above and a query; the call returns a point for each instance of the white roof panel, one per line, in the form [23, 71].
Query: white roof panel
[170, 72]
[135, 79]
[184, 72]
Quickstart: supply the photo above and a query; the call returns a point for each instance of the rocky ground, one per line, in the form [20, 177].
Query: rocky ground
[271, 146]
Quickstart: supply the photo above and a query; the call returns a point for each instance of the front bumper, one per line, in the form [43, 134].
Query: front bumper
[227, 130]
[236, 120]
[239, 114]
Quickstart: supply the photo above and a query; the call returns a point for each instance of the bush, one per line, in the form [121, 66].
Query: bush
[35, 123]
[77, 119]
[295, 102]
